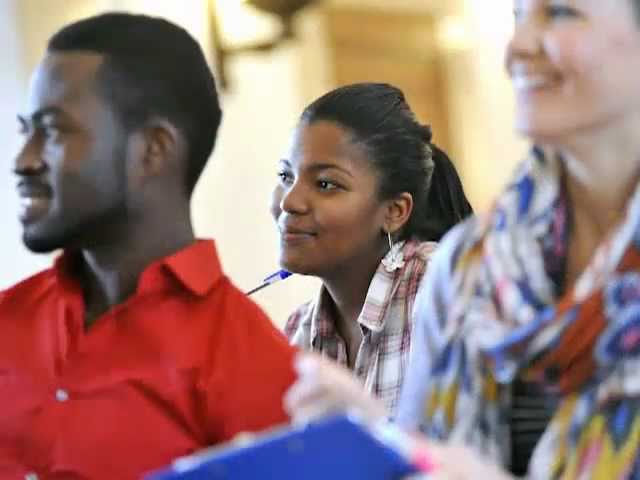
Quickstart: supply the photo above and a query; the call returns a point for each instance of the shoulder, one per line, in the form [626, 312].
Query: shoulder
[243, 329]
[418, 257]
[436, 287]
[28, 289]
[236, 307]
[451, 245]
[417, 254]
[419, 251]
[250, 367]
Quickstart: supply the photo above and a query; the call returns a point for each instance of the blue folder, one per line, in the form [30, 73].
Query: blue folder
[336, 448]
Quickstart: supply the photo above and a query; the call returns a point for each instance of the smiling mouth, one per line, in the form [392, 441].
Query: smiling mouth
[532, 83]
[296, 236]
[33, 207]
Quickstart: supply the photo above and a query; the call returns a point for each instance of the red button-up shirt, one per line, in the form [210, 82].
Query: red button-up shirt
[188, 361]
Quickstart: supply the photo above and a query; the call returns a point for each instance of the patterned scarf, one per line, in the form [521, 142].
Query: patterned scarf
[507, 320]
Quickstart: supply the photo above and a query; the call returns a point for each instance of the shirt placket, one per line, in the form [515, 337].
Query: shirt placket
[49, 428]
[338, 350]
[70, 326]
[361, 366]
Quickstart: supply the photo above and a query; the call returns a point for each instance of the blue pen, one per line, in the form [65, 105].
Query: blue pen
[270, 280]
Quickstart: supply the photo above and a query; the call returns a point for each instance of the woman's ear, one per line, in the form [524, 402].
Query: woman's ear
[398, 212]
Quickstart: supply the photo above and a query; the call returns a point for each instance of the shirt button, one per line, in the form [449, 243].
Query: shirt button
[61, 396]
[31, 476]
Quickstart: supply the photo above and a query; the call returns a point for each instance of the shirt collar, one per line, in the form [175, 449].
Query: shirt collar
[374, 311]
[383, 288]
[323, 317]
[196, 267]
[379, 295]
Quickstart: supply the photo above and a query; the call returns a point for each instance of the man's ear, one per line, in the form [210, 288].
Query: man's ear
[398, 211]
[155, 150]
[163, 144]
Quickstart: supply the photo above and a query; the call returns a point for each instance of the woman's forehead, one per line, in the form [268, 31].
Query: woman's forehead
[326, 143]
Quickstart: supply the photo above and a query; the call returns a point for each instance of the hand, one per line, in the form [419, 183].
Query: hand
[455, 462]
[323, 387]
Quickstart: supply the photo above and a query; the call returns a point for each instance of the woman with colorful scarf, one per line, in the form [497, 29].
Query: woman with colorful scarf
[542, 294]
[545, 289]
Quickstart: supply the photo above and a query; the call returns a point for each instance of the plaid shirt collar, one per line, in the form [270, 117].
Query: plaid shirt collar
[374, 311]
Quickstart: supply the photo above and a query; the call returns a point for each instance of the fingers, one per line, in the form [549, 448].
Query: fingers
[306, 401]
[320, 407]
[310, 397]
[323, 388]
[308, 385]
[455, 462]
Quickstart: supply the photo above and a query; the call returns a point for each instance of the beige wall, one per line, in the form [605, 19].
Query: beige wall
[14, 259]
[269, 91]
[484, 112]
[473, 35]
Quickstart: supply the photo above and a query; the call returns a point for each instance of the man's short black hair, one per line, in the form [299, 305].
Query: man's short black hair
[152, 67]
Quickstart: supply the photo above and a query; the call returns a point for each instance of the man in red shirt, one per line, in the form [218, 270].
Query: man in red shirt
[134, 348]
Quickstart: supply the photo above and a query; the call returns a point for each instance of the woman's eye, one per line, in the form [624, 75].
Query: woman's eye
[560, 11]
[553, 12]
[285, 177]
[326, 185]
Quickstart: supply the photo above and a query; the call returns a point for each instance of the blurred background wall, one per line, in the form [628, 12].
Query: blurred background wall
[447, 55]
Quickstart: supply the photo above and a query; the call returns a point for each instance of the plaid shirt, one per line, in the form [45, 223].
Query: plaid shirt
[385, 319]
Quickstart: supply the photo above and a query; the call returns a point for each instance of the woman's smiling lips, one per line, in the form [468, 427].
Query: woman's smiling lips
[290, 234]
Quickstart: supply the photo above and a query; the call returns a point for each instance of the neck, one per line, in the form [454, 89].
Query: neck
[602, 171]
[348, 288]
[111, 269]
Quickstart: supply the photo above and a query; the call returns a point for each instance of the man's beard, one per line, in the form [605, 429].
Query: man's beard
[83, 234]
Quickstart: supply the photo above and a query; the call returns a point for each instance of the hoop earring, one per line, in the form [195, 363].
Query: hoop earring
[394, 259]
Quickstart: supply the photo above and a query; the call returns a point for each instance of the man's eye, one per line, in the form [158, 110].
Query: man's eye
[50, 132]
